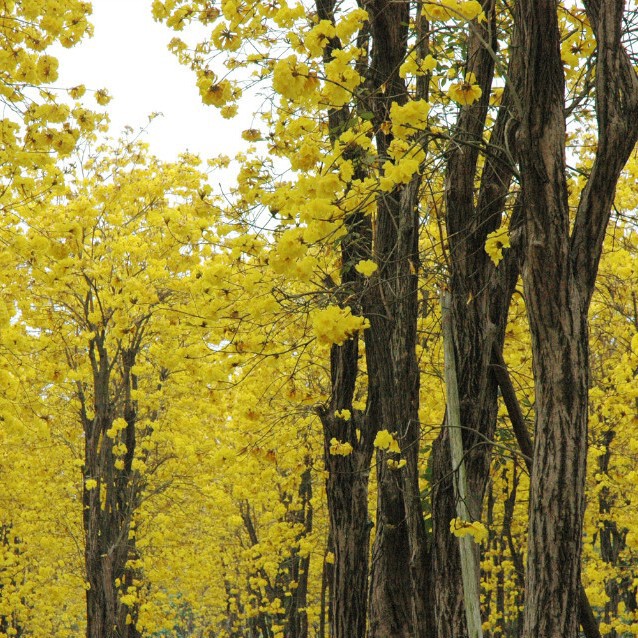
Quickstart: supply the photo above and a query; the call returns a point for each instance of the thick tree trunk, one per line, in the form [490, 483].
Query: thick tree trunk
[399, 597]
[586, 615]
[347, 494]
[559, 276]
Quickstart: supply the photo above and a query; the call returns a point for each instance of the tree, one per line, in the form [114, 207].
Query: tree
[559, 275]
[182, 352]
[376, 132]
[105, 279]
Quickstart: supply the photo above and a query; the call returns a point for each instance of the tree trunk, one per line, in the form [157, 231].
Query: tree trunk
[296, 614]
[399, 605]
[347, 494]
[559, 276]
[480, 300]
[110, 496]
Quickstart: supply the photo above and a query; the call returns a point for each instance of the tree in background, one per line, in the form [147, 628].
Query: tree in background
[108, 273]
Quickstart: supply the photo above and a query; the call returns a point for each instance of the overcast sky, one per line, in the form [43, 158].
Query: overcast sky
[128, 56]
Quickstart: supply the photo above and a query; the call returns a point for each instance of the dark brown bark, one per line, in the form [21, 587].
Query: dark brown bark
[109, 505]
[480, 297]
[296, 616]
[348, 476]
[613, 541]
[325, 612]
[399, 581]
[587, 619]
[559, 276]
[347, 492]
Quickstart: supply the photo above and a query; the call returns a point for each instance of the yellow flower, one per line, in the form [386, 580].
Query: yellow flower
[76, 92]
[343, 414]
[336, 325]
[412, 66]
[251, 135]
[495, 243]
[340, 448]
[102, 97]
[90, 484]
[385, 441]
[366, 267]
[319, 37]
[467, 92]
[476, 530]
[447, 9]
[409, 118]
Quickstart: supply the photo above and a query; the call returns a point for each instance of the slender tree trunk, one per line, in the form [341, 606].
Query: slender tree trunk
[296, 614]
[399, 593]
[480, 300]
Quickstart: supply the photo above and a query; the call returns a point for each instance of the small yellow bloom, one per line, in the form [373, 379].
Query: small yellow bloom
[340, 448]
[102, 97]
[495, 243]
[251, 135]
[385, 441]
[476, 530]
[90, 484]
[366, 267]
[76, 92]
[467, 92]
[343, 414]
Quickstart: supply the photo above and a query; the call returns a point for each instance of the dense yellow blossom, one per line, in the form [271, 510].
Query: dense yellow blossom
[476, 529]
[334, 325]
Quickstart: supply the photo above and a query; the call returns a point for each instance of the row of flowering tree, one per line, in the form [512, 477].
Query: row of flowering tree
[226, 415]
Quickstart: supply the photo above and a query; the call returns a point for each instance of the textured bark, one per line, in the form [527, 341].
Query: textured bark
[613, 541]
[480, 301]
[110, 505]
[469, 551]
[586, 615]
[347, 492]
[296, 615]
[399, 579]
[348, 476]
[559, 276]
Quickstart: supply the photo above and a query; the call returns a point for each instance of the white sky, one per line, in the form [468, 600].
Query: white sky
[128, 57]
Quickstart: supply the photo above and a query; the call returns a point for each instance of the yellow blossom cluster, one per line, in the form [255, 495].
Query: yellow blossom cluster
[453, 9]
[334, 325]
[476, 529]
[409, 118]
[496, 242]
[417, 67]
[340, 448]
